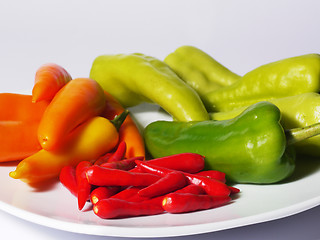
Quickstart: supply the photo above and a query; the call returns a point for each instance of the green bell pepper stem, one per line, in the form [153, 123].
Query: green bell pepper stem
[119, 119]
[299, 134]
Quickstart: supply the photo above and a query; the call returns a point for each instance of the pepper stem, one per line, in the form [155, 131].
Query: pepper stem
[298, 134]
[119, 119]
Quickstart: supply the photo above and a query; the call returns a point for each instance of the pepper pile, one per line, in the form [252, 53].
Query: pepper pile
[64, 122]
[118, 187]
[247, 127]
[275, 109]
[292, 84]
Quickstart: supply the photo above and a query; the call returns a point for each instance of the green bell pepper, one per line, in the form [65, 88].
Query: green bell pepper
[287, 77]
[296, 112]
[200, 70]
[250, 148]
[136, 78]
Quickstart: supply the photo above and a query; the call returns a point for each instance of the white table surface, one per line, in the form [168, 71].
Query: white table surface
[240, 34]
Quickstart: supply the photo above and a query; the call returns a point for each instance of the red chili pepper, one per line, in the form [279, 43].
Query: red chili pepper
[186, 162]
[119, 153]
[191, 188]
[103, 159]
[234, 190]
[211, 186]
[117, 208]
[68, 179]
[127, 193]
[101, 176]
[126, 164]
[84, 187]
[169, 183]
[221, 176]
[137, 198]
[187, 202]
[102, 193]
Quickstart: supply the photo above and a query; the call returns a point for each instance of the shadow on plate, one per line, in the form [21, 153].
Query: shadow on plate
[305, 166]
[45, 185]
[9, 164]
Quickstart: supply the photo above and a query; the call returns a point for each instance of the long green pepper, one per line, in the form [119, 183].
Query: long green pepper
[136, 78]
[287, 77]
[200, 70]
[250, 148]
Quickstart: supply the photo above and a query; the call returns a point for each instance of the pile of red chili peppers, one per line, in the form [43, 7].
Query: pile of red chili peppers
[119, 187]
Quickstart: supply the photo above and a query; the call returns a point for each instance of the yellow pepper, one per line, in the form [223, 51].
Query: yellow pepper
[90, 140]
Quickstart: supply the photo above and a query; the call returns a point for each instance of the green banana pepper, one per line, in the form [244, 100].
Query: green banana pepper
[199, 70]
[137, 78]
[287, 77]
[297, 111]
[250, 148]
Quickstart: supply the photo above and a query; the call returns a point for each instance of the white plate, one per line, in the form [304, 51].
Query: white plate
[55, 207]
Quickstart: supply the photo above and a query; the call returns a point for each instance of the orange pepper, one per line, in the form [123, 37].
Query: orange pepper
[78, 101]
[129, 132]
[19, 140]
[89, 141]
[19, 121]
[19, 107]
[49, 79]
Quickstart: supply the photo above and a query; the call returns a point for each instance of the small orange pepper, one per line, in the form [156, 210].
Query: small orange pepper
[78, 101]
[49, 79]
[129, 132]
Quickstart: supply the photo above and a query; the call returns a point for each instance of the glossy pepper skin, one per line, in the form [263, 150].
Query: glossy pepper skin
[19, 107]
[19, 122]
[200, 70]
[136, 78]
[287, 77]
[186, 202]
[78, 101]
[296, 112]
[250, 148]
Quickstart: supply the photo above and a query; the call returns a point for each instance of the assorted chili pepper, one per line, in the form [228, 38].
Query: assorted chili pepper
[153, 189]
